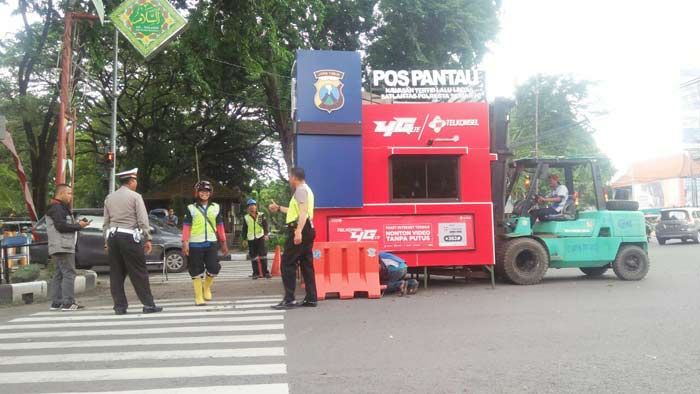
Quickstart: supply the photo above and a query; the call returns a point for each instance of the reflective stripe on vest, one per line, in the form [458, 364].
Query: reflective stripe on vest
[201, 229]
[255, 228]
[293, 209]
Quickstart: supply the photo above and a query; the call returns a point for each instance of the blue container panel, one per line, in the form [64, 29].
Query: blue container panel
[333, 166]
[349, 86]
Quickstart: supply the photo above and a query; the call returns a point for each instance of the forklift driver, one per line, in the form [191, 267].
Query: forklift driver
[557, 197]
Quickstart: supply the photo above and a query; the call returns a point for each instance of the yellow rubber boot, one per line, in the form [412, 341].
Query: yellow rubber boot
[197, 284]
[207, 287]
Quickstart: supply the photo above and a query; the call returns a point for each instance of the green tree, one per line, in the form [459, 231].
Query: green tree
[562, 105]
[415, 34]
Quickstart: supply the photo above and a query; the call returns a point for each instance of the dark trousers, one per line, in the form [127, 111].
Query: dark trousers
[204, 259]
[301, 255]
[542, 214]
[257, 248]
[126, 257]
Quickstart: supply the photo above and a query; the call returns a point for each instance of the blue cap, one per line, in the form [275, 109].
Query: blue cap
[251, 202]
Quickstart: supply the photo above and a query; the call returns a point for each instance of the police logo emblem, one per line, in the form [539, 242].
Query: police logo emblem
[329, 90]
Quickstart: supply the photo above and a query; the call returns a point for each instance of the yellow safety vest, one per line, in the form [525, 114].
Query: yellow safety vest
[255, 228]
[203, 229]
[293, 209]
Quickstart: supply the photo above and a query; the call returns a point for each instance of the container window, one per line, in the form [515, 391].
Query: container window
[425, 178]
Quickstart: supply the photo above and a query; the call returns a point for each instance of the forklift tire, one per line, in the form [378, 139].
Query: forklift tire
[631, 263]
[621, 205]
[524, 261]
[595, 271]
[662, 241]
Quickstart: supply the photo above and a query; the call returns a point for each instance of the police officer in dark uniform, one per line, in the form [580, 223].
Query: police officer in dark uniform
[298, 248]
[128, 240]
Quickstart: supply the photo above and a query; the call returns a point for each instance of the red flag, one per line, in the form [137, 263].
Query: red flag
[21, 175]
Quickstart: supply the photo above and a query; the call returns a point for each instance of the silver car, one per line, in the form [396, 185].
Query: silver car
[678, 223]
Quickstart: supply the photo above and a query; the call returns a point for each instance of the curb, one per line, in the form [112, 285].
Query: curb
[16, 292]
[29, 291]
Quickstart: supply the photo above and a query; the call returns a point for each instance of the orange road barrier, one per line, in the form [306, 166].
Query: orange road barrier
[347, 268]
[276, 262]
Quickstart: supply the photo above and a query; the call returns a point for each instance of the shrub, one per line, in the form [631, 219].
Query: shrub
[27, 273]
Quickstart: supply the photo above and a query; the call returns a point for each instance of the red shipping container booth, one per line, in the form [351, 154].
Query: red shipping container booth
[426, 180]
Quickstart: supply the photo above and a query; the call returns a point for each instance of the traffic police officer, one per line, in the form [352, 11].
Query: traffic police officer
[298, 248]
[128, 240]
[203, 234]
[255, 231]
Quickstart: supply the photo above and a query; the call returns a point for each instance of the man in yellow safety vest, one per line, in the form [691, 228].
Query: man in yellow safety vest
[298, 248]
[255, 232]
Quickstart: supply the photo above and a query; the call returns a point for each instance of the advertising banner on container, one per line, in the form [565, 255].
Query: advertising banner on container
[406, 233]
[444, 124]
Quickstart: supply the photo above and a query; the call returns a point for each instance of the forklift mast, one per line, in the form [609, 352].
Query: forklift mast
[498, 122]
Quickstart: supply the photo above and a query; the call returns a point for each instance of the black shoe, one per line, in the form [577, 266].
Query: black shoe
[285, 305]
[152, 309]
[310, 304]
[268, 276]
[72, 307]
[255, 277]
[120, 311]
[56, 307]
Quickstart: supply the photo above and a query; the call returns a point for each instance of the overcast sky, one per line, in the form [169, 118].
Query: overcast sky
[633, 50]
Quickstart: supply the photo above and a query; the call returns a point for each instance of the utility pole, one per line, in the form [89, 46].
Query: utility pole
[113, 144]
[65, 84]
[537, 117]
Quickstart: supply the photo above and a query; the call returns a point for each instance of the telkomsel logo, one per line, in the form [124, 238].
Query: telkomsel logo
[438, 123]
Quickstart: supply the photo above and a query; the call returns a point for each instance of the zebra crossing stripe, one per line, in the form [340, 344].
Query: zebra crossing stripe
[274, 388]
[251, 306]
[79, 316]
[144, 331]
[259, 300]
[142, 342]
[204, 308]
[132, 323]
[190, 302]
[142, 355]
[91, 375]
[164, 304]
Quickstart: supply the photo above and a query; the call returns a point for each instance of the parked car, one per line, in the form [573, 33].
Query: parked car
[160, 213]
[91, 252]
[678, 223]
[15, 225]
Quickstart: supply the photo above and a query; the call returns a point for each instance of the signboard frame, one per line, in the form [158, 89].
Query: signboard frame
[146, 45]
[404, 233]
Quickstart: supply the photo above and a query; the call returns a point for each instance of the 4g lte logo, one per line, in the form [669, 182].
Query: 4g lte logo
[363, 235]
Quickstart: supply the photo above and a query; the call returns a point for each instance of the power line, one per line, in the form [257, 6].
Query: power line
[248, 68]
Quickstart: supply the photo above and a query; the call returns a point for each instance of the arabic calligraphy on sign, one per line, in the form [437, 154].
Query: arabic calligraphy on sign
[147, 18]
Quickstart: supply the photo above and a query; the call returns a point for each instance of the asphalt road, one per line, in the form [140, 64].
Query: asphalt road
[570, 334]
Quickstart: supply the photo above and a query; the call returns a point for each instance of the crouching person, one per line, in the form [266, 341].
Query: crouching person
[392, 273]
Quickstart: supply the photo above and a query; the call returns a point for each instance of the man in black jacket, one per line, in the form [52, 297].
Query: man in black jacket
[62, 231]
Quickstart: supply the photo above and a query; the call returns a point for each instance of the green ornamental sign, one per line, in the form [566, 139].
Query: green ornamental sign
[148, 24]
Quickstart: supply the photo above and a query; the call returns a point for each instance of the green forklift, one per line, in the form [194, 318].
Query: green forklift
[593, 235]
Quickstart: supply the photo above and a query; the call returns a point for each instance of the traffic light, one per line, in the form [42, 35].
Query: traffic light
[109, 158]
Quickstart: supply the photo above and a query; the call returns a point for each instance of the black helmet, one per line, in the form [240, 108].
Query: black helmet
[203, 186]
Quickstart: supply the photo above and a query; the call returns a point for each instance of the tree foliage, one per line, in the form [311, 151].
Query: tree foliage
[222, 88]
[564, 114]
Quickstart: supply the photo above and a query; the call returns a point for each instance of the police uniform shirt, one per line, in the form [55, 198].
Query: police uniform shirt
[125, 209]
